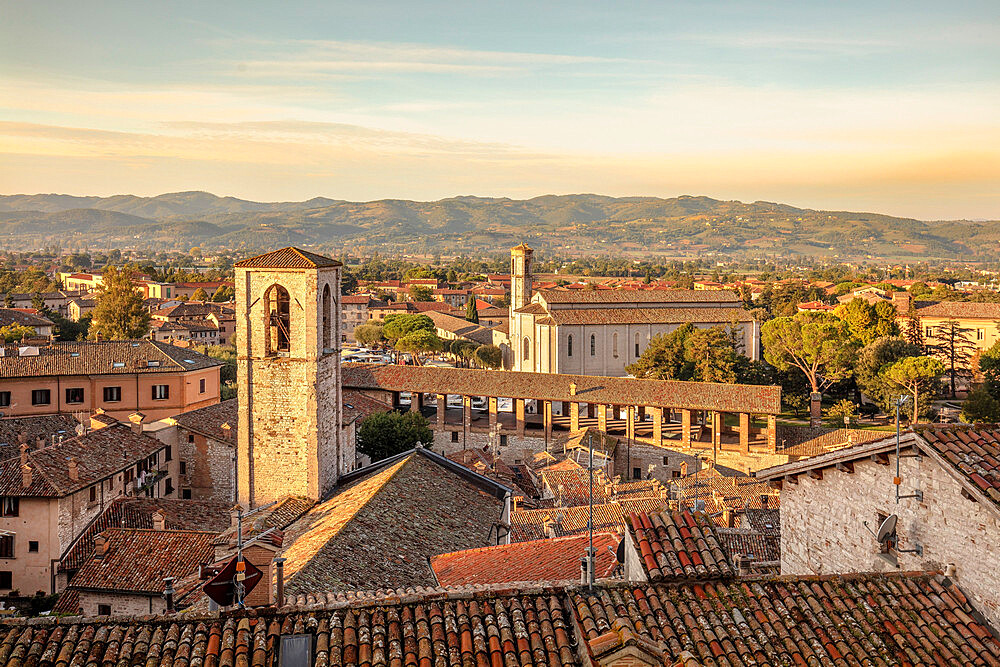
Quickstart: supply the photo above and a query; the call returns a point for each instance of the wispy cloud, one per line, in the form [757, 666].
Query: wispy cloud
[331, 57]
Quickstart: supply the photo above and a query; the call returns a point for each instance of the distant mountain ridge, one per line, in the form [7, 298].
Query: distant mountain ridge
[680, 226]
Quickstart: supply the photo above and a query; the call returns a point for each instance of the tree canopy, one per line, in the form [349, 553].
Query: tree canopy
[689, 353]
[369, 334]
[489, 356]
[419, 341]
[421, 293]
[867, 322]
[119, 312]
[818, 344]
[471, 314]
[398, 325]
[917, 375]
[872, 359]
[385, 434]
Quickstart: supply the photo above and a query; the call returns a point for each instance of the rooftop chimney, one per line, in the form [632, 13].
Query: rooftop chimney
[136, 418]
[764, 500]
[25, 475]
[24, 453]
[572, 389]
[159, 521]
[234, 515]
[100, 546]
[228, 430]
[74, 469]
[902, 301]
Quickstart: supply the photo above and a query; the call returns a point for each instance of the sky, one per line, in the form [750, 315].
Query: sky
[891, 107]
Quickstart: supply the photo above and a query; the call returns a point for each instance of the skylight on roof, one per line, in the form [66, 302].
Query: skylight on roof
[118, 364]
[74, 354]
[152, 363]
[189, 361]
[135, 344]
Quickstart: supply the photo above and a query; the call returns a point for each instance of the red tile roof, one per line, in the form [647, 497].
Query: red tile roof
[679, 546]
[958, 309]
[138, 560]
[747, 542]
[200, 515]
[530, 524]
[974, 452]
[548, 560]
[597, 316]
[556, 387]
[113, 357]
[99, 455]
[865, 619]
[645, 296]
[860, 619]
[208, 421]
[287, 258]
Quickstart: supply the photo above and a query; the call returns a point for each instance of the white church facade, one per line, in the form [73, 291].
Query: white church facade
[600, 332]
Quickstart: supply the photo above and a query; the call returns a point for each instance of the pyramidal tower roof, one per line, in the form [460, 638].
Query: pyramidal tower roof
[287, 258]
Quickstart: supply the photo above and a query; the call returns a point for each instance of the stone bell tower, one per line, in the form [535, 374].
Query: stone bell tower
[521, 328]
[288, 373]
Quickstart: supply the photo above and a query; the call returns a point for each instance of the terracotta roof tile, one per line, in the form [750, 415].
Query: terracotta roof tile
[645, 296]
[856, 619]
[208, 421]
[556, 387]
[287, 258]
[547, 560]
[201, 515]
[137, 560]
[867, 619]
[597, 316]
[958, 309]
[679, 546]
[111, 357]
[20, 317]
[531, 524]
[15, 429]
[99, 454]
[973, 452]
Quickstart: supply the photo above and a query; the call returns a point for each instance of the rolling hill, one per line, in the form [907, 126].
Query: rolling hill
[564, 224]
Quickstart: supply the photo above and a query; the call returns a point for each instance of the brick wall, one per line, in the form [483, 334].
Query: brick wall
[822, 530]
[519, 449]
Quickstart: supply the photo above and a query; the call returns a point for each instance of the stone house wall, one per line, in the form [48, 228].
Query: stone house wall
[822, 530]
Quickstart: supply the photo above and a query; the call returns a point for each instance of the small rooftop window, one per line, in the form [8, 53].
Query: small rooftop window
[74, 354]
[189, 361]
[135, 344]
[152, 364]
[118, 364]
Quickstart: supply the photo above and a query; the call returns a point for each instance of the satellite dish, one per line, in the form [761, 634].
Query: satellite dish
[887, 530]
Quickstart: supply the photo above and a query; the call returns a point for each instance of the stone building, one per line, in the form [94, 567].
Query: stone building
[205, 442]
[48, 496]
[952, 525]
[288, 360]
[601, 331]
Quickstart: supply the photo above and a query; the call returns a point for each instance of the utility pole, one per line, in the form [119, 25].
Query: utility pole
[590, 521]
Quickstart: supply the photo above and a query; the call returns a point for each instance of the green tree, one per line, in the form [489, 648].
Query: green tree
[419, 341]
[369, 334]
[918, 376]
[398, 325]
[818, 344]
[913, 330]
[420, 293]
[953, 345]
[67, 329]
[386, 434]
[712, 355]
[119, 312]
[868, 322]
[980, 407]
[664, 358]
[199, 295]
[870, 362]
[225, 354]
[989, 366]
[489, 356]
[842, 414]
[38, 302]
[471, 313]
[13, 333]
[8, 300]
[223, 294]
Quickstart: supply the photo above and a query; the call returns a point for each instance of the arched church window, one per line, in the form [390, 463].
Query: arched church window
[527, 348]
[327, 318]
[614, 344]
[569, 345]
[279, 321]
[593, 345]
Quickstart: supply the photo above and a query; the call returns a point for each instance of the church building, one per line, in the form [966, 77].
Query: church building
[599, 331]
